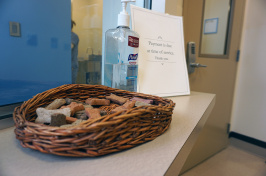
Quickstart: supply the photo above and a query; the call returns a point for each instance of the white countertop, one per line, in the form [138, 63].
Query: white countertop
[165, 155]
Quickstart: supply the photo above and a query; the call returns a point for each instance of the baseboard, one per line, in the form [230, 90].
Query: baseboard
[247, 139]
[6, 123]
[5, 116]
[6, 111]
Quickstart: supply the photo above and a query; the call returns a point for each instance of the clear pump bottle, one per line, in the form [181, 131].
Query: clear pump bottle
[121, 54]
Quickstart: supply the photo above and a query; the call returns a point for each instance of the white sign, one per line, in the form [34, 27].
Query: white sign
[162, 63]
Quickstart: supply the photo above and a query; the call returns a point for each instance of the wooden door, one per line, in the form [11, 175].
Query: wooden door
[218, 78]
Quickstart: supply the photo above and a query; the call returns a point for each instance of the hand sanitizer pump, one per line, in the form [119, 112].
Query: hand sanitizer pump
[121, 54]
[123, 16]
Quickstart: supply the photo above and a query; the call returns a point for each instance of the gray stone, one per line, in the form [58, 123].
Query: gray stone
[88, 106]
[57, 103]
[44, 115]
[81, 115]
[69, 101]
[58, 119]
[77, 122]
[139, 103]
[148, 101]
[103, 113]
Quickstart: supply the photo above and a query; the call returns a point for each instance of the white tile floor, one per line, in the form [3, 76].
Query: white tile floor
[232, 161]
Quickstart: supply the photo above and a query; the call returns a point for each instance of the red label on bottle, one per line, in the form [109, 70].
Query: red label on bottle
[133, 41]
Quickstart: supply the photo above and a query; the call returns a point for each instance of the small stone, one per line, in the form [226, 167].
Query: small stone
[69, 101]
[81, 115]
[124, 107]
[117, 99]
[87, 106]
[70, 119]
[97, 102]
[148, 101]
[58, 119]
[74, 107]
[129, 104]
[57, 103]
[77, 122]
[93, 113]
[44, 115]
[66, 126]
[103, 113]
[117, 109]
[139, 103]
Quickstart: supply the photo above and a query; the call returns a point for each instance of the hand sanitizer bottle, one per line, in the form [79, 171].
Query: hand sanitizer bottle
[121, 54]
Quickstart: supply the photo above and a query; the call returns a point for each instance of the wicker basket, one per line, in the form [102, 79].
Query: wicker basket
[108, 134]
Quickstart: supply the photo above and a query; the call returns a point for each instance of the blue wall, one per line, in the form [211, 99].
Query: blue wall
[41, 58]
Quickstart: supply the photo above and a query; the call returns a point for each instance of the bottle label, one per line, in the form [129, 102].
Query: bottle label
[132, 58]
[133, 41]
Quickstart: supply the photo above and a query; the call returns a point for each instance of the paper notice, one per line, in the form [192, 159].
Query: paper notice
[162, 63]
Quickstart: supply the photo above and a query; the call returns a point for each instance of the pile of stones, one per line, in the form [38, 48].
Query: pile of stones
[69, 112]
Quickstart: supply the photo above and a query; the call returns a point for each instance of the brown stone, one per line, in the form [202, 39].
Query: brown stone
[117, 109]
[97, 102]
[129, 104]
[93, 113]
[124, 107]
[70, 119]
[117, 99]
[74, 107]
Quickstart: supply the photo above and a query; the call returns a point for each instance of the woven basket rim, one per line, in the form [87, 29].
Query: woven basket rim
[96, 86]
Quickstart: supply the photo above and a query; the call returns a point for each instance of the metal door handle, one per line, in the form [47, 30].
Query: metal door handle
[197, 65]
[191, 58]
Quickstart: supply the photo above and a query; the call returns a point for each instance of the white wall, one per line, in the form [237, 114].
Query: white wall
[249, 109]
